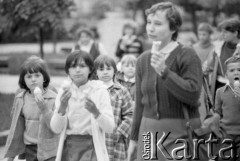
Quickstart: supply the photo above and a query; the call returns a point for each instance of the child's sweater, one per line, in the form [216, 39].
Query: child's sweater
[228, 107]
[129, 85]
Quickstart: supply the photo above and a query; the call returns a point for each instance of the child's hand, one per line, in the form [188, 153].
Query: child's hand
[131, 150]
[64, 100]
[213, 120]
[40, 103]
[213, 124]
[91, 107]
[10, 159]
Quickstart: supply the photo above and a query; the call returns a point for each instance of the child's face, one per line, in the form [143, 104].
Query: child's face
[106, 73]
[229, 36]
[34, 80]
[129, 31]
[84, 38]
[233, 72]
[79, 73]
[203, 36]
[128, 69]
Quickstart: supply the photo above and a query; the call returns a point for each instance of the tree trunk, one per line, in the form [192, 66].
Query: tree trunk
[41, 42]
[194, 19]
[215, 14]
[54, 39]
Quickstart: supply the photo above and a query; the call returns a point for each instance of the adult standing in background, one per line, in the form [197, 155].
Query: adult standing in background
[167, 80]
[87, 43]
[129, 43]
[204, 49]
[204, 46]
[230, 32]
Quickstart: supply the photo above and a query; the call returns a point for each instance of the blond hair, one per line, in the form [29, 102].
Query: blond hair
[129, 59]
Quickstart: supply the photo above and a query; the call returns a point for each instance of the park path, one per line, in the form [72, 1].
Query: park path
[1, 155]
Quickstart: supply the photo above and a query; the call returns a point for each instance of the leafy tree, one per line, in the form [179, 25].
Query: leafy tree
[229, 7]
[36, 17]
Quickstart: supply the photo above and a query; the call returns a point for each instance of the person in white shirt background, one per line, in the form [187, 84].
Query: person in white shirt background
[87, 43]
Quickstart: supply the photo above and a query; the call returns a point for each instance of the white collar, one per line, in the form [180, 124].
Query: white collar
[108, 84]
[132, 80]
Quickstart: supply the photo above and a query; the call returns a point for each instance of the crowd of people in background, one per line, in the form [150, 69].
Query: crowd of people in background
[104, 106]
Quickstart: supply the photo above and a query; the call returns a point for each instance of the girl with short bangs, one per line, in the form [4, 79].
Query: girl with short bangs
[30, 133]
[83, 113]
[122, 103]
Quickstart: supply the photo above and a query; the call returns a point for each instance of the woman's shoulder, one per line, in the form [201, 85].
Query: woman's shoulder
[187, 54]
[186, 51]
[144, 55]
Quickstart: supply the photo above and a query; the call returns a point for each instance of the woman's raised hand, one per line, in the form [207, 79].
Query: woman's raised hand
[158, 62]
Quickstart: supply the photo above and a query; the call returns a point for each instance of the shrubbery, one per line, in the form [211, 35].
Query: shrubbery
[55, 62]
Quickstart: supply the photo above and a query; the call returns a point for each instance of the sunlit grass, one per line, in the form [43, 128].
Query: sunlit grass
[6, 102]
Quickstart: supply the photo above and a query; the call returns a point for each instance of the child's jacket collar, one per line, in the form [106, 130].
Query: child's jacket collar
[47, 95]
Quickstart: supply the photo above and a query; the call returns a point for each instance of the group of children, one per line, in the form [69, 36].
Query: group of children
[91, 119]
[221, 69]
[85, 120]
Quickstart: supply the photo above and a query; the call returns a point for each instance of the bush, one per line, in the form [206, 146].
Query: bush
[15, 61]
[5, 110]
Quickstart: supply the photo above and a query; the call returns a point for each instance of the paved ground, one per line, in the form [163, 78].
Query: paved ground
[1, 155]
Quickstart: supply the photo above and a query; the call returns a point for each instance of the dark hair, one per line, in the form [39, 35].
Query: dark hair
[33, 64]
[74, 57]
[233, 59]
[88, 31]
[172, 15]
[231, 25]
[102, 60]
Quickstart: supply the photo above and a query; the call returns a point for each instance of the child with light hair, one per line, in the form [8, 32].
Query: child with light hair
[126, 76]
[204, 45]
[122, 105]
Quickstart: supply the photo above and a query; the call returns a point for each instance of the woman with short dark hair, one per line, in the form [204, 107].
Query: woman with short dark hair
[168, 79]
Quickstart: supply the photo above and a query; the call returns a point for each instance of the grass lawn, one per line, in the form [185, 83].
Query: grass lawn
[6, 101]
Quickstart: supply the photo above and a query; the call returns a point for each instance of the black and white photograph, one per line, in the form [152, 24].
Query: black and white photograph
[119, 80]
